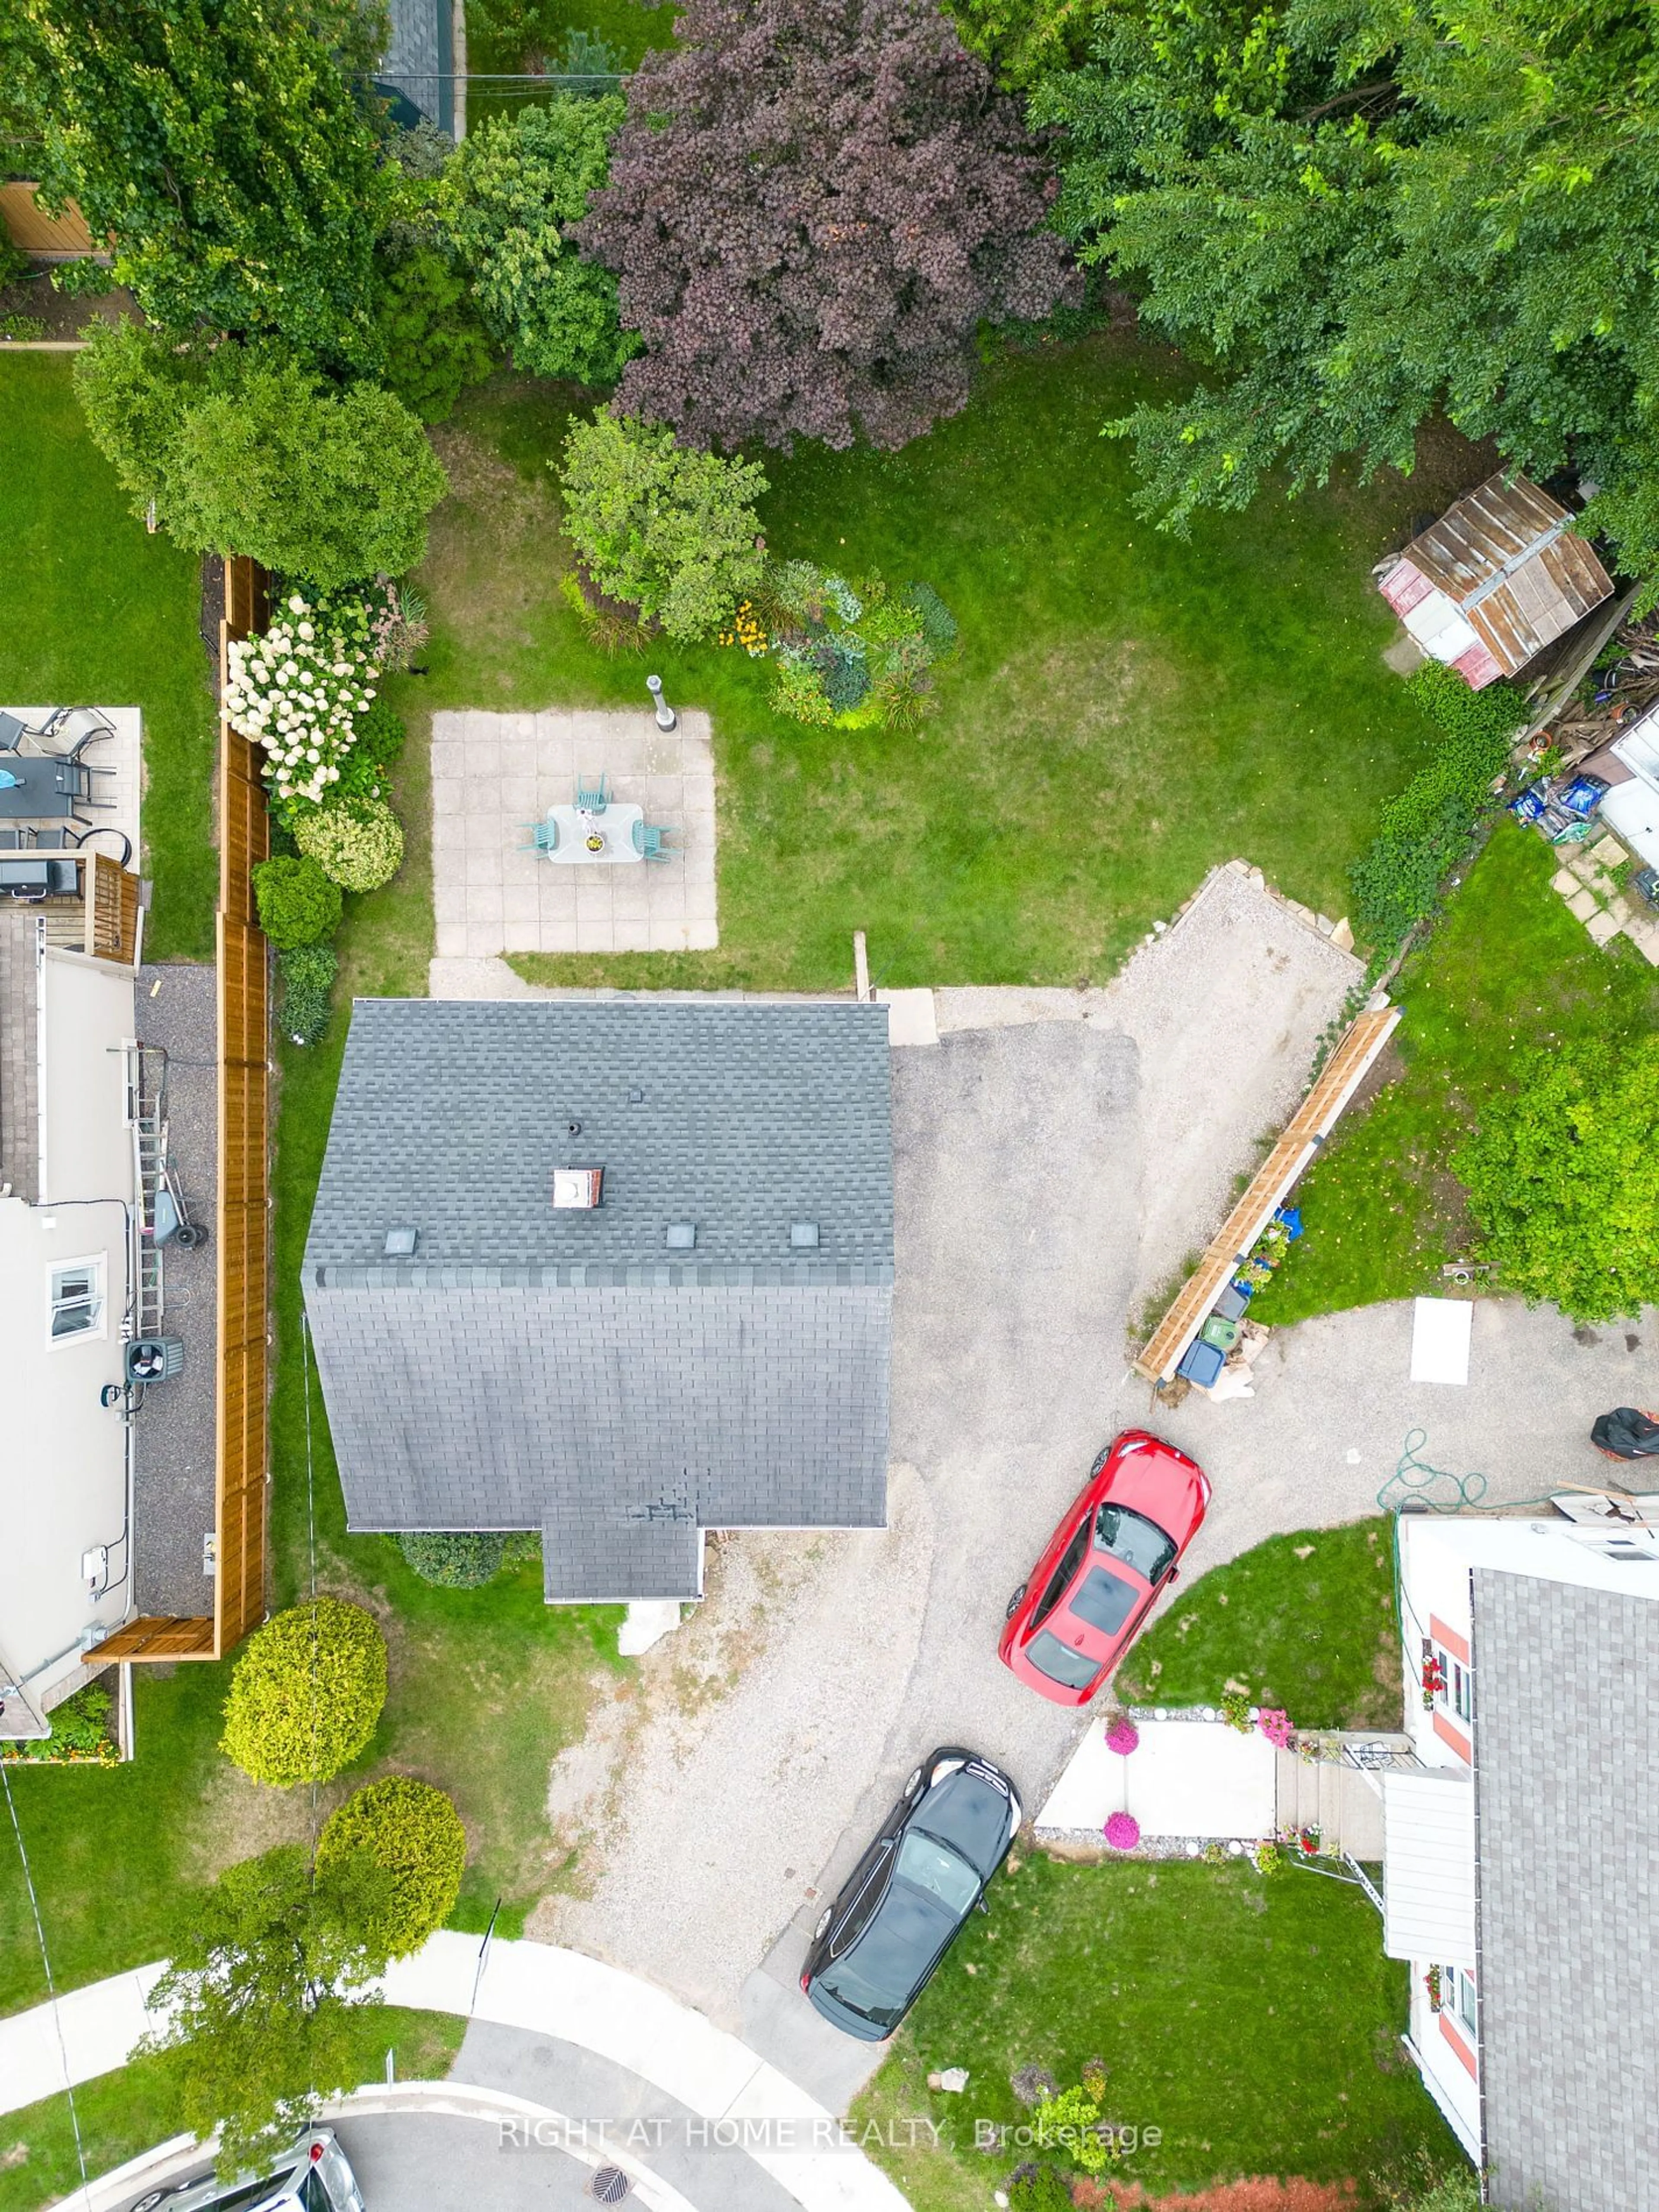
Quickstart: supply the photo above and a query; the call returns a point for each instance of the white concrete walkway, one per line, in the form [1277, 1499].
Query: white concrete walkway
[1188, 1780]
[525, 1985]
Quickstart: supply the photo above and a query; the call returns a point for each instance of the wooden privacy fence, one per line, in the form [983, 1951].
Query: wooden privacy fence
[239, 1576]
[32, 230]
[1304, 1134]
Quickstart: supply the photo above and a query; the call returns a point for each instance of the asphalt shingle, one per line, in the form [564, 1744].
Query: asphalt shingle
[1567, 1809]
[530, 1367]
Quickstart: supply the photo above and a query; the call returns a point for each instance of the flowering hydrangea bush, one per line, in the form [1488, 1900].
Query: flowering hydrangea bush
[299, 691]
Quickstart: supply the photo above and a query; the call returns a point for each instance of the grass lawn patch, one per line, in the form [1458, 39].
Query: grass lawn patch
[94, 611]
[1509, 970]
[1307, 1623]
[1253, 2020]
[1127, 708]
[124, 2113]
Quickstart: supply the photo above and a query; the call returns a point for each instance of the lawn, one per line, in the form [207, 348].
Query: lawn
[1509, 970]
[1127, 708]
[122, 2114]
[1253, 2020]
[94, 610]
[1306, 1622]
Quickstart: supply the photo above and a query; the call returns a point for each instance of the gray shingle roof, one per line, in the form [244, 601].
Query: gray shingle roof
[1567, 1683]
[532, 1367]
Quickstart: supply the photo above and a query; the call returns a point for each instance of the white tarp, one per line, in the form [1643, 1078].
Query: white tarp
[1440, 1339]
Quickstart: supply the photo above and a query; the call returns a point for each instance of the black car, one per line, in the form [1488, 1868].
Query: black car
[905, 1902]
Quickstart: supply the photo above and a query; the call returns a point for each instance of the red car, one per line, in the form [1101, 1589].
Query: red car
[1112, 1553]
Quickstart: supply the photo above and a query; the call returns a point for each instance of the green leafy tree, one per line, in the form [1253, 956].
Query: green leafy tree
[512, 187]
[134, 388]
[666, 529]
[411, 1835]
[325, 485]
[1562, 1178]
[223, 146]
[1355, 214]
[1023, 40]
[431, 338]
[259, 1994]
[306, 1691]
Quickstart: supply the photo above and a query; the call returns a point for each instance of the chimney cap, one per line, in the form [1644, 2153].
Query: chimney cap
[577, 1189]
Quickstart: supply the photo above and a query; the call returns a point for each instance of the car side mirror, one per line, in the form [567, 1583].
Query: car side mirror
[980, 1905]
[1174, 1574]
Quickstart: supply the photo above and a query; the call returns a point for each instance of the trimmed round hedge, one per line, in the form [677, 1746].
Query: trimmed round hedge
[461, 1559]
[298, 904]
[358, 844]
[413, 1833]
[305, 1694]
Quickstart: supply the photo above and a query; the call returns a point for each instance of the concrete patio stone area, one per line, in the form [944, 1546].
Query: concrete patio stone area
[494, 775]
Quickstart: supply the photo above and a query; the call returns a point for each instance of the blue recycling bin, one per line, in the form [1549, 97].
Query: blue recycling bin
[1202, 1364]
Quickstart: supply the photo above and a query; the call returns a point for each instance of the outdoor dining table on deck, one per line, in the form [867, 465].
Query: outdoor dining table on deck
[614, 828]
[40, 789]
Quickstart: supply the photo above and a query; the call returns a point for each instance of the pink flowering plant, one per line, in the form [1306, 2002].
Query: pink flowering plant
[299, 691]
[1122, 1831]
[1122, 1736]
[1275, 1724]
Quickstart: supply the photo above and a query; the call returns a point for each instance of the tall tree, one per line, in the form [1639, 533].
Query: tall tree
[225, 149]
[1355, 214]
[258, 1997]
[812, 206]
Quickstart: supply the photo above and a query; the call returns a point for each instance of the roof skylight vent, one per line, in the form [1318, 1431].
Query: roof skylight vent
[401, 1243]
[803, 1236]
[681, 1236]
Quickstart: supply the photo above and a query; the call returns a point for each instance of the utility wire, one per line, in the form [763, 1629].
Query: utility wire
[51, 1987]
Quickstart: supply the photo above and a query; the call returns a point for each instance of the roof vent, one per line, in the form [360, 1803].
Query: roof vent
[681, 1236]
[636, 1097]
[803, 1236]
[577, 1189]
[400, 1243]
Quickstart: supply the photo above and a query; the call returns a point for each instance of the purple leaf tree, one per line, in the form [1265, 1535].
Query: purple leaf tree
[813, 205]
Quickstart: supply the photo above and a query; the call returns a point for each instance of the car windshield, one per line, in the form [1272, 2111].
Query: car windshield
[848, 1986]
[935, 1868]
[1060, 1662]
[1105, 1601]
[1131, 1537]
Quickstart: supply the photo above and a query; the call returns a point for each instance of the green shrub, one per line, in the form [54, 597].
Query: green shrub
[659, 527]
[381, 732]
[358, 843]
[1039, 2189]
[460, 1559]
[843, 664]
[413, 1834]
[306, 1692]
[939, 625]
[515, 185]
[81, 1734]
[298, 904]
[1562, 1178]
[434, 342]
[307, 972]
[1426, 829]
[14, 261]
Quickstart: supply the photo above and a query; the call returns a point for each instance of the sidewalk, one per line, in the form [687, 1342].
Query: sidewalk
[745, 2103]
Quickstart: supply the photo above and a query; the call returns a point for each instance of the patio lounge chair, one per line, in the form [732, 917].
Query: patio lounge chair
[649, 841]
[544, 836]
[592, 801]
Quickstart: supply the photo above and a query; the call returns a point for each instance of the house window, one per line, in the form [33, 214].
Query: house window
[1453, 1682]
[77, 1301]
[1458, 1998]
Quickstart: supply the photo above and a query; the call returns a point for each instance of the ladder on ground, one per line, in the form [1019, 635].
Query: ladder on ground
[146, 1079]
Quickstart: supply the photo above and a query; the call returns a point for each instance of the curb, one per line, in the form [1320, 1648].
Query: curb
[171, 2160]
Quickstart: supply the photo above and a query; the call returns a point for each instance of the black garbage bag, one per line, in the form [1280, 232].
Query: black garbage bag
[1626, 1433]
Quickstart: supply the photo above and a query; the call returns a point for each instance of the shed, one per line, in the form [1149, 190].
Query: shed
[1499, 576]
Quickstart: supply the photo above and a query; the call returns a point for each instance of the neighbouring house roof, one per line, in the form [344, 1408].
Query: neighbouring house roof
[1495, 578]
[419, 61]
[1428, 1852]
[531, 1365]
[20, 1052]
[1567, 1686]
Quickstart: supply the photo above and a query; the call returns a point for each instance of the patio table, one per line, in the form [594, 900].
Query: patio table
[615, 826]
[40, 790]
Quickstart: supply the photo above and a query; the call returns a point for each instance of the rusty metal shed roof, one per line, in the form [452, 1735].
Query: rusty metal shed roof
[1507, 557]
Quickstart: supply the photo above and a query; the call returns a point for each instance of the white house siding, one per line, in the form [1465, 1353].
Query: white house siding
[1437, 2041]
[63, 1456]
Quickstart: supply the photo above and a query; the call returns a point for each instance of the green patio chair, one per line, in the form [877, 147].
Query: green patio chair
[648, 840]
[594, 801]
[544, 836]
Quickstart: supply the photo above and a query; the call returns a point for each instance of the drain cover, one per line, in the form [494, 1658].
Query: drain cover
[610, 2184]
